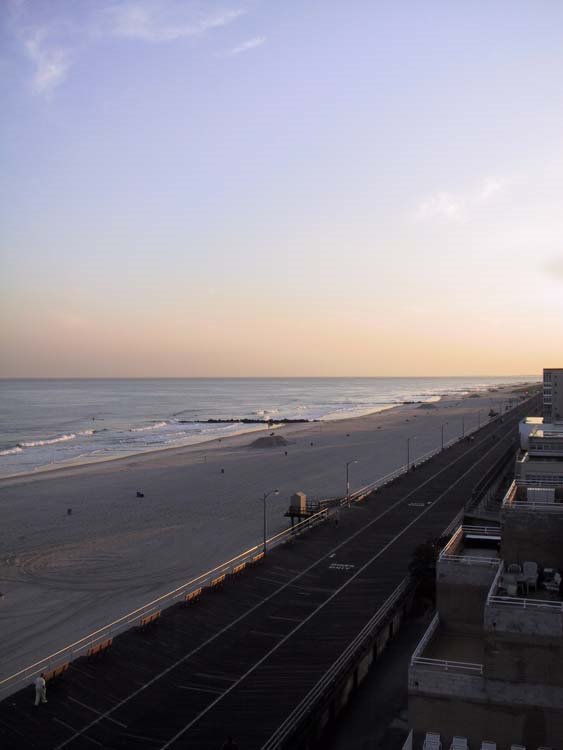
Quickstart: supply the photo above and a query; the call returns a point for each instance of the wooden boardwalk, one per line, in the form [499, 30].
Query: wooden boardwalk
[241, 658]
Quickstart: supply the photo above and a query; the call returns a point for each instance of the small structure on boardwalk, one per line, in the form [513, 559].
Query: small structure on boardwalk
[299, 508]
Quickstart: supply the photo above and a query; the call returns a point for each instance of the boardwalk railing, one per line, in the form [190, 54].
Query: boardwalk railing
[195, 586]
[336, 671]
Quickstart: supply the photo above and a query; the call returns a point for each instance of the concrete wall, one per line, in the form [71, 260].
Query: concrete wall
[520, 659]
[535, 623]
[461, 592]
[532, 535]
[504, 725]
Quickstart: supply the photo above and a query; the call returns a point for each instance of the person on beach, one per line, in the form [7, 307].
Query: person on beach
[40, 689]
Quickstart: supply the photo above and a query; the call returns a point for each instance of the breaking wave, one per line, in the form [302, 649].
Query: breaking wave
[11, 451]
[50, 441]
[156, 426]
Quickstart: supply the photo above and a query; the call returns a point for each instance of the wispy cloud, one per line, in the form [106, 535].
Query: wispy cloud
[51, 63]
[154, 21]
[256, 41]
[52, 40]
[451, 206]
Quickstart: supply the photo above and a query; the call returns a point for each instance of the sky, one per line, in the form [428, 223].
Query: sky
[260, 188]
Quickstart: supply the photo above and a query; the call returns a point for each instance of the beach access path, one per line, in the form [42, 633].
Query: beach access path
[64, 575]
[244, 658]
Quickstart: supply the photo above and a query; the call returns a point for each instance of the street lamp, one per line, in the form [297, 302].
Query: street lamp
[353, 461]
[445, 424]
[412, 437]
[266, 496]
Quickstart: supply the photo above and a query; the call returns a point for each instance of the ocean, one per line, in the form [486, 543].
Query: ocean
[44, 423]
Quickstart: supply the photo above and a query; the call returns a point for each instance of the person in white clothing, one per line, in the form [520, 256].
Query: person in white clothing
[40, 689]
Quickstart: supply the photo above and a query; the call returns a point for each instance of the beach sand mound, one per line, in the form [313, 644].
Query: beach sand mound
[272, 441]
[428, 406]
[474, 395]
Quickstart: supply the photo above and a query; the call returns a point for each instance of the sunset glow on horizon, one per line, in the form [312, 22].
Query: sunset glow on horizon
[256, 189]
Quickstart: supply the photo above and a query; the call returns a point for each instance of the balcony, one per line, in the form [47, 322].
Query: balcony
[447, 664]
[535, 613]
[540, 495]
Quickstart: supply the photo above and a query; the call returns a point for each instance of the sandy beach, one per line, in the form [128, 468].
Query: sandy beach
[65, 575]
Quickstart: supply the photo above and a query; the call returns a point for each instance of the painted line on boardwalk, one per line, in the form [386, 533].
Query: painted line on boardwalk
[93, 710]
[259, 604]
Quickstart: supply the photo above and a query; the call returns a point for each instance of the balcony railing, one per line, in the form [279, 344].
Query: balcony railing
[442, 665]
[518, 601]
[510, 503]
[448, 554]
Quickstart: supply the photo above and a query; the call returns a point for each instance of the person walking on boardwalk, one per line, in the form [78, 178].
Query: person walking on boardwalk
[40, 689]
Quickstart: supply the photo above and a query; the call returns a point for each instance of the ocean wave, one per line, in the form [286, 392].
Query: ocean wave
[156, 426]
[50, 441]
[11, 451]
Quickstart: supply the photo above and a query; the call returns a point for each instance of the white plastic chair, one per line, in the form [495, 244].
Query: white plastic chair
[509, 584]
[486, 745]
[518, 747]
[459, 743]
[514, 568]
[530, 570]
[432, 741]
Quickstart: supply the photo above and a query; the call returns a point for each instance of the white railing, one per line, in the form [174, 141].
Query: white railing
[443, 665]
[80, 647]
[417, 660]
[518, 601]
[427, 637]
[486, 562]
[510, 503]
[488, 531]
[453, 544]
[496, 581]
[448, 553]
[523, 603]
[302, 710]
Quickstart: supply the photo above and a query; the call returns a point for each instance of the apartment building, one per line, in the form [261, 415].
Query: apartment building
[553, 394]
[539, 463]
[489, 669]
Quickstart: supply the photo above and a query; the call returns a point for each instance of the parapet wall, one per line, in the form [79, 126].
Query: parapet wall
[521, 659]
[461, 593]
[533, 535]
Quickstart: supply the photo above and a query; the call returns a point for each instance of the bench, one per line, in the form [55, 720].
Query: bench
[99, 648]
[237, 570]
[217, 583]
[149, 619]
[193, 596]
[56, 672]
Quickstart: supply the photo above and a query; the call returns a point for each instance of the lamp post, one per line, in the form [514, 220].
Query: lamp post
[412, 437]
[353, 461]
[445, 424]
[266, 496]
